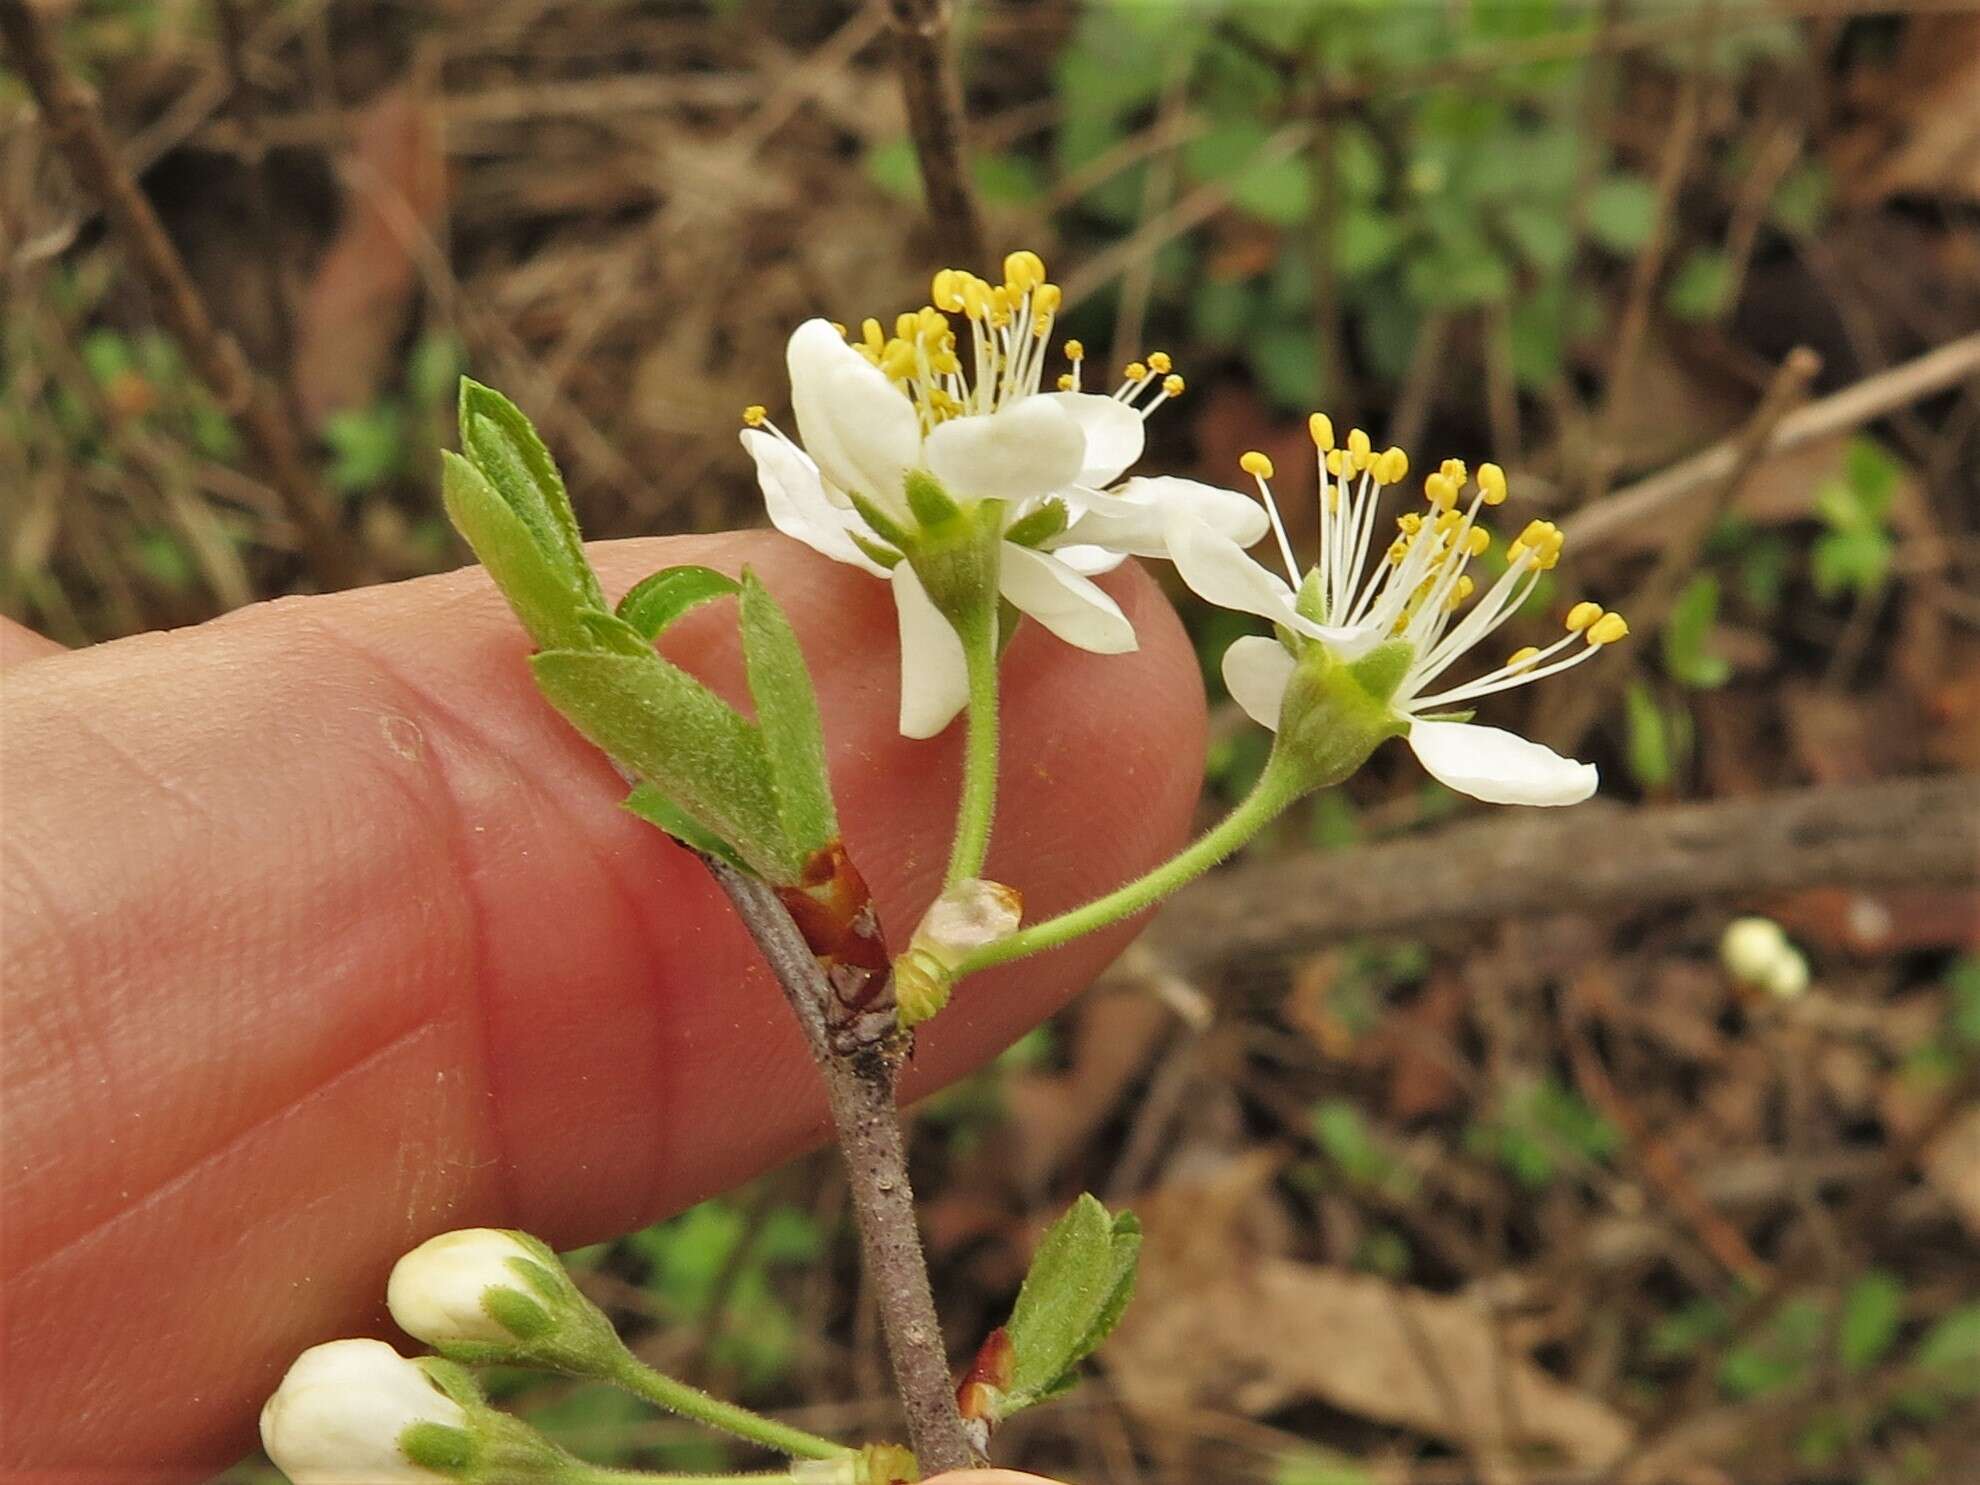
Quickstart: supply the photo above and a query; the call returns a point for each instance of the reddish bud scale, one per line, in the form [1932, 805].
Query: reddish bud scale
[834, 912]
[988, 1375]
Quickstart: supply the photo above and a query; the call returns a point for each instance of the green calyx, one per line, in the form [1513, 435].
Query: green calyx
[1335, 714]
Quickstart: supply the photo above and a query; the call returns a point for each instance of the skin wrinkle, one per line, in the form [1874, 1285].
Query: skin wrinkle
[276, 710]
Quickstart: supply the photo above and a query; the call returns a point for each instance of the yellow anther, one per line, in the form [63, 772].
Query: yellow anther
[1172, 384]
[1440, 491]
[1159, 363]
[1065, 381]
[1410, 522]
[1607, 629]
[1452, 470]
[975, 298]
[1135, 371]
[1321, 428]
[755, 415]
[1047, 298]
[1337, 463]
[1041, 326]
[907, 325]
[946, 291]
[1002, 302]
[1391, 467]
[1462, 589]
[838, 327]
[1398, 549]
[1358, 444]
[1476, 541]
[1582, 615]
[1522, 659]
[871, 335]
[1256, 464]
[1023, 270]
[1075, 351]
[1492, 482]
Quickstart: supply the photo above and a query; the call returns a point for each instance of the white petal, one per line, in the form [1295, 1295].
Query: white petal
[1073, 608]
[1257, 671]
[1029, 448]
[1088, 561]
[858, 426]
[934, 678]
[1135, 518]
[1216, 568]
[798, 505]
[338, 1414]
[1497, 766]
[1114, 434]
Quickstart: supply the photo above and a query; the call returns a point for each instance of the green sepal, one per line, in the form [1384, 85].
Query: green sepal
[883, 525]
[669, 729]
[439, 1447]
[1311, 601]
[547, 1278]
[933, 506]
[541, 590]
[1328, 722]
[654, 602]
[657, 809]
[787, 717]
[610, 632]
[1382, 669]
[456, 1381]
[1040, 525]
[1080, 1281]
[1463, 714]
[518, 1314]
[504, 446]
[887, 557]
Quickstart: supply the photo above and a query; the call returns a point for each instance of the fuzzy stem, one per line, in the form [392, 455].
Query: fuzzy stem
[860, 1091]
[582, 1472]
[691, 1402]
[1277, 788]
[978, 803]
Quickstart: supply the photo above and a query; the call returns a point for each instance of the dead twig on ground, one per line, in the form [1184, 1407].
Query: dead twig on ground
[1852, 407]
[71, 116]
[932, 87]
[1918, 831]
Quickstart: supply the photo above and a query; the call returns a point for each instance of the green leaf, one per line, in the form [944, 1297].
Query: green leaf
[1540, 233]
[1649, 750]
[1951, 1351]
[1278, 191]
[1080, 1281]
[543, 594]
[1689, 627]
[787, 716]
[670, 730]
[1701, 289]
[1621, 211]
[654, 602]
[1872, 1312]
[657, 809]
[502, 444]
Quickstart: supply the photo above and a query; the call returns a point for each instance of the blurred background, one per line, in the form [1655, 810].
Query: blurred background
[1449, 1176]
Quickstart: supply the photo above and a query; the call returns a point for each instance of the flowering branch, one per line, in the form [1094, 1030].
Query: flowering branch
[861, 1091]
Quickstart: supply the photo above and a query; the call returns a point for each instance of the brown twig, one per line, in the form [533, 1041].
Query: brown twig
[1920, 830]
[72, 118]
[1653, 598]
[1839, 412]
[932, 87]
[860, 1089]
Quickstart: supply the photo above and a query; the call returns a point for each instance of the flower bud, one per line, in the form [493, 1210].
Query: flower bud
[490, 1295]
[343, 1413]
[1757, 953]
[967, 916]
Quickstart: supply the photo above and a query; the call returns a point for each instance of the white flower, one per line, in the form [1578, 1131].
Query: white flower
[340, 1412]
[1415, 591]
[869, 413]
[436, 1292]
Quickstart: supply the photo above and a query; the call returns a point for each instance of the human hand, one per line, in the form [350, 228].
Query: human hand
[324, 934]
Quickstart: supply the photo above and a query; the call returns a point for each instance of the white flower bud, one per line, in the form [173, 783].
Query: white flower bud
[339, 1415]
[1756, 952]
[439, 1291]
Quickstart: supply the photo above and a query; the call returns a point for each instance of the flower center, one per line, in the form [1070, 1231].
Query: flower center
[1419, 589]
